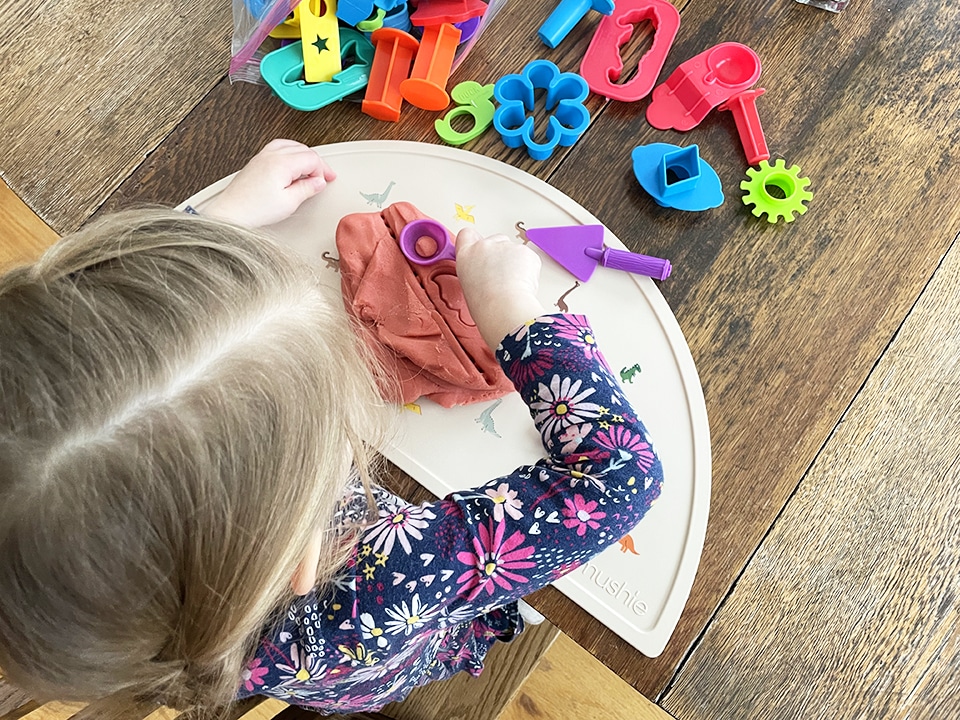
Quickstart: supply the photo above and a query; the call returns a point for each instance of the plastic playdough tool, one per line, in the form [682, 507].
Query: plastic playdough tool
[700, 84]
[426, 88]
[320, 33]
[426, 242]
[391, 65]
[579, 249]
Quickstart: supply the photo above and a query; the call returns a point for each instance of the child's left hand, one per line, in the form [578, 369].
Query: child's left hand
[271, 186]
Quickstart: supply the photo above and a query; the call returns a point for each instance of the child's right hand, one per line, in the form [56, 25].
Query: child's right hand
[500, 279]
[271, 186]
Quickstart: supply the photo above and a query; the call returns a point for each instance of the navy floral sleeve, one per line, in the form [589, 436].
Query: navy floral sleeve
[432, 586]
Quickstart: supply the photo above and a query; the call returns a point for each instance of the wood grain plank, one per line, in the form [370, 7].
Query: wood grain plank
[786, 321]
[24, 236]
[20, 711]
[11, 698]
[569, 683]
[54, 711]
[265, 710]
[130, 711]
[850, 606]
[89, 88]
[479, 698]
[163, 713]
[244, 708]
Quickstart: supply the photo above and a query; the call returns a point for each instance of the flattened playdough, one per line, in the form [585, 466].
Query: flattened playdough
[420, 328]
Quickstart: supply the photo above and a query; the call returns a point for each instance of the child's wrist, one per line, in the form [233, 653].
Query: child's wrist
[495, 320]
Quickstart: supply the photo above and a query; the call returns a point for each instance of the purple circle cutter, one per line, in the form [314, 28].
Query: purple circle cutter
[426, 242]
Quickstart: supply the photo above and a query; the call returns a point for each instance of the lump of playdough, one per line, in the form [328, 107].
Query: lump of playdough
[420, 328]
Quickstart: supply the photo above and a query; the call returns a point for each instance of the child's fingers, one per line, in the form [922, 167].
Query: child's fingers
[467, 238]
[303, 164]
[329, 174]
[305, 188]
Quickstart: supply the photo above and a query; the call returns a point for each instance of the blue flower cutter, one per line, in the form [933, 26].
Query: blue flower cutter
[565, 95]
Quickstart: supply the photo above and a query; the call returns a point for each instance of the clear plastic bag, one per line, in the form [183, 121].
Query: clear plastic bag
[254, 19]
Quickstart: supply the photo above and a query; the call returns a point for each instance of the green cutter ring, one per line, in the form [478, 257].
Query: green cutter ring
[761, 180]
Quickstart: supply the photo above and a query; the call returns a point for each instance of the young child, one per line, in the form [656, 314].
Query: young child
[186, 435]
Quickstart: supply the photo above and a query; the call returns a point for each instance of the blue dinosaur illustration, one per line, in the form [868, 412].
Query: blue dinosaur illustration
[486, 418]
[378, 199]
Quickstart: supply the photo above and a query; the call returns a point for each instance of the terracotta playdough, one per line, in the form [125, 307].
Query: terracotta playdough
[420, 327]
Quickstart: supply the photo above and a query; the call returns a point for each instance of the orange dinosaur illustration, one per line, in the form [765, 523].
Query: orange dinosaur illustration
[626, 543]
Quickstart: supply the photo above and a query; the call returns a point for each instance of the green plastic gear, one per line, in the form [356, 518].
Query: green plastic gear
[765, 183]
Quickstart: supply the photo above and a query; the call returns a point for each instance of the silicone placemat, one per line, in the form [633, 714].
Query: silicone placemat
[638, 587]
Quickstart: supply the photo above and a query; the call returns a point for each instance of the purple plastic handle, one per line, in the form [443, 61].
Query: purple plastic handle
[416, 229]
[654, 267]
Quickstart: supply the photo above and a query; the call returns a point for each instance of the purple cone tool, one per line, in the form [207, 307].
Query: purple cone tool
[579, 249]
[426, 241]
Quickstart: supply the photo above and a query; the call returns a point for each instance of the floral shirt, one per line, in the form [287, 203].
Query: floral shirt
[430, 587]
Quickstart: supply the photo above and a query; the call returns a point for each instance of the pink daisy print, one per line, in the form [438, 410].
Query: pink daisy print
[493, 561]
[620, 438]
[505, 500]
[562, 404]
[525, 369]
[576, 329]
[580, 514]
[253, 674]
[521, 332]
[398, 523]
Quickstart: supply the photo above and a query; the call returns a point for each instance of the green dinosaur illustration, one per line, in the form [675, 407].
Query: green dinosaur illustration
[628, 374]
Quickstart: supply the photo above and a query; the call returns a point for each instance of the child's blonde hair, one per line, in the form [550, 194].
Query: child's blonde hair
[181, 404]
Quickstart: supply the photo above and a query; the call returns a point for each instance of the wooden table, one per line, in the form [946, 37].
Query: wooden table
[827, 348]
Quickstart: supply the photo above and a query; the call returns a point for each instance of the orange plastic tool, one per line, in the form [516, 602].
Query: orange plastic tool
[320, 32]
[426, 87]
[391, 65]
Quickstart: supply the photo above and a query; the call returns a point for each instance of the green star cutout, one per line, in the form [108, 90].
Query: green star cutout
[320, 43]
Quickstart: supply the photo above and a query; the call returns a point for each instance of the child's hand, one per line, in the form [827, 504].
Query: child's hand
[271, 186]
[500, 279]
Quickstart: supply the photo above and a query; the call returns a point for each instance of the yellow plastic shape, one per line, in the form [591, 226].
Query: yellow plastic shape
[320, 33]
[289, 29]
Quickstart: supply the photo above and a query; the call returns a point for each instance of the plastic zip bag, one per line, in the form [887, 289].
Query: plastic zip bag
[254, 19]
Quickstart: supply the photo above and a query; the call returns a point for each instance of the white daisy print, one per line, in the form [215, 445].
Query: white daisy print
[563, 404]
[371, 631]
[407, 618]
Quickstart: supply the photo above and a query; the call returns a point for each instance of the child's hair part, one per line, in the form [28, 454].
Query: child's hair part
[182, 401]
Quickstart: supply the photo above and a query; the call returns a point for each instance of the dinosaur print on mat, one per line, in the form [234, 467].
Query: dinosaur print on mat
[378, 199]
[629, 374]
[561, 303]
[486, 418]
